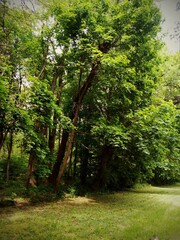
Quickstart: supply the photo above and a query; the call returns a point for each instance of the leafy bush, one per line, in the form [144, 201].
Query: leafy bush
[155, 141]
[41, 194]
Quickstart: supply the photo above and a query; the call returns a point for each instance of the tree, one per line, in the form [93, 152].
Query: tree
[14, 36]
[78, 84]
[92, 33]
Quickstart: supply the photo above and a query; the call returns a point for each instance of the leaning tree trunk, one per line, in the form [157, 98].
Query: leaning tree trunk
[62, 148]
[68, 150]
[68, 138]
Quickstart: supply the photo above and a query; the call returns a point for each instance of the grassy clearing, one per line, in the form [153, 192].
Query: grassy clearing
[123, 216]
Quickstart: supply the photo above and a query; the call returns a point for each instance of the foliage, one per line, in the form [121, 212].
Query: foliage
[169, 87]
[41, 194]
[156, 142]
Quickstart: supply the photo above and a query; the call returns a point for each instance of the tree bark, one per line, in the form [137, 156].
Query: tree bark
[84, 166]
[105, 157]
[62, 147]
[69, 147]
[10, 145]
[3, 136]
[32, 179]
[52, 131]
[68, 138]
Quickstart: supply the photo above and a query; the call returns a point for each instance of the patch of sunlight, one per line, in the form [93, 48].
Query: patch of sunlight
[175, 190]
[171, 199]
[80, 200]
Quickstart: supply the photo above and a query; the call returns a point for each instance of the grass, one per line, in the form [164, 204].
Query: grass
[136, 215]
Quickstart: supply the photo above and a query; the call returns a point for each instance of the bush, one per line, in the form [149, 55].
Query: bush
[167, 173]
[41, 194]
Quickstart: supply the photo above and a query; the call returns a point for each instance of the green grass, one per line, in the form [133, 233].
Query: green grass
[136, 215]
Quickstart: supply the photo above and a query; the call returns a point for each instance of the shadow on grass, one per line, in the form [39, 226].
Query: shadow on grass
[117, 198]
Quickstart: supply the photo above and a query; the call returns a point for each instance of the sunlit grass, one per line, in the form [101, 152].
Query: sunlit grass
[122, 216]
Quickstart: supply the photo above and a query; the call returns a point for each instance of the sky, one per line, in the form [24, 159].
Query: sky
[172, 17]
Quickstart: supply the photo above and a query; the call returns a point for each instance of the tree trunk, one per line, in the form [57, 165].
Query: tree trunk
[52, 137]
[75, 162]
[32, 179]
[52, 131]
[68, 141]
[60, 156]
[2, 138]
[68, 138]
[84, 165]
[69, 147]
[3, 131]
[10, 144]
[105, 157]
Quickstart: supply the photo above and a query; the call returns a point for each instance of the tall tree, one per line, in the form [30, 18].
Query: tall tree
[94, 34]
[14, 37]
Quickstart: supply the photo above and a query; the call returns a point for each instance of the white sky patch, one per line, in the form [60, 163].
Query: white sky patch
[170, 28]
[24, 3]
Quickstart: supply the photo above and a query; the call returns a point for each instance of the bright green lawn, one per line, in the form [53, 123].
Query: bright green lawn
[134, 215]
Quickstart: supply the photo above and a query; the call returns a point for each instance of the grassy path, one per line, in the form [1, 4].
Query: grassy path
[136, 215]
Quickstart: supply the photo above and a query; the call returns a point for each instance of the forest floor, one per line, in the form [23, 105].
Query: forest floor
[139, 214]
